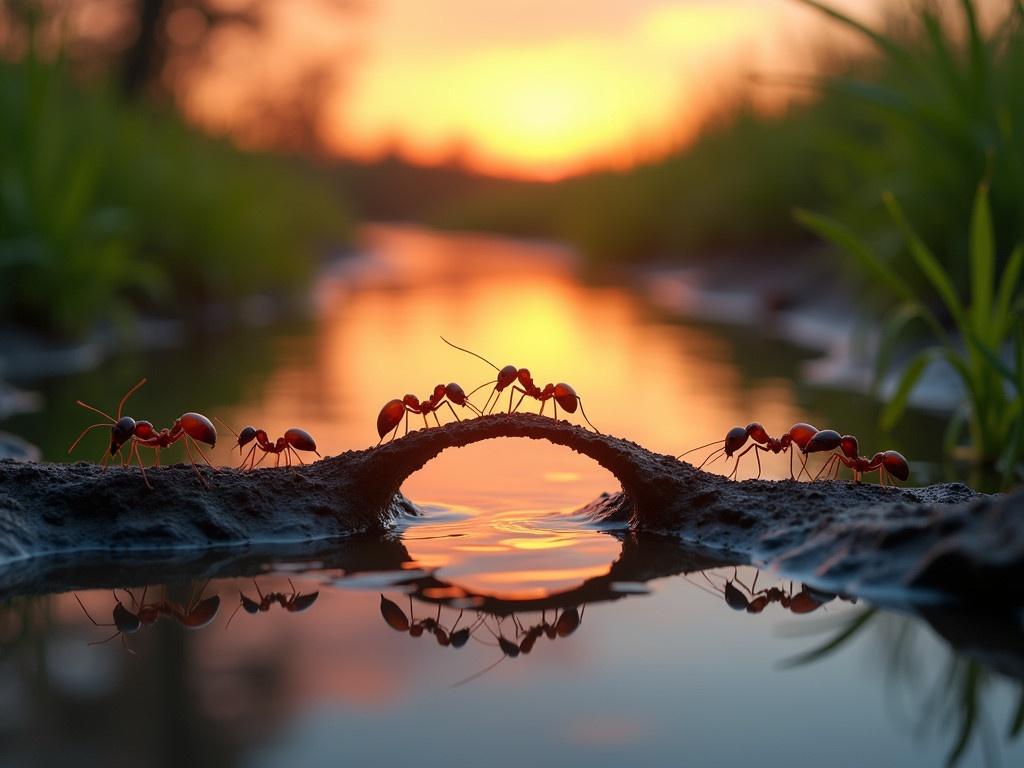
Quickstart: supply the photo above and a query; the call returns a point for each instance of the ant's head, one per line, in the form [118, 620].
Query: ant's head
[734, 440]
[246, 436]
[250, 605]
[507, 375]
[455, 393]
[121, 433]
[125, 621]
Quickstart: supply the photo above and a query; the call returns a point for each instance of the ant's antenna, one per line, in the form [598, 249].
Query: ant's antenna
[468, 352]
[129, 393]
[706, 445]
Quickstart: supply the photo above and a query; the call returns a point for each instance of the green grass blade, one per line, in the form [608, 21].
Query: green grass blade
[1018, 719]
[926, 261]
[842, 236]
[955, 427]
[911, 374]
[982, 262]
[885, 43]
[836, 642]
[1002, 315]
[893, 329]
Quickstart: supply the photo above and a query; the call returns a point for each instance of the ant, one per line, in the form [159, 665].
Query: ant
[888, 464]
[390, 416]
[395, 618]
[198, 614]
[807, 600]
[293, 603]
[799, 434]
[561, 394]
[293, 441]
[193, 428]
[565, 624]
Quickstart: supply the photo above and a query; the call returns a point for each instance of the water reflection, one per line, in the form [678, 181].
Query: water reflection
[139, 614]
[383, 636]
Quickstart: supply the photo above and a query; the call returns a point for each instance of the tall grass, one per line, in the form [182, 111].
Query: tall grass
[108, 208]
[940, 107]
[987, 348]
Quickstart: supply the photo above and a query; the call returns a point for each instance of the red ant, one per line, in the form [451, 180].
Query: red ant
[888, 464]
[799, 434]
[193, 428]
[197, 615]
[293, 603]
[293, 441]
[806, 600]
[560, 394]
[564, 625]
[395, 618]
[390, 416]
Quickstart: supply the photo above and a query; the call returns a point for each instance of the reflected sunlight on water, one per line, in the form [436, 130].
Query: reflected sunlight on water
[669, 387]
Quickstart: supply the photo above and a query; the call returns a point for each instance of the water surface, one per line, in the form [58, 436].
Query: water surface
[648, 663]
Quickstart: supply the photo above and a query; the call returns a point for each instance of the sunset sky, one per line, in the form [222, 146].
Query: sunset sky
[526, 87]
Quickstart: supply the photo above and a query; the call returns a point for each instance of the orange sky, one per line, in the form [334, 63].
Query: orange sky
[535, 88]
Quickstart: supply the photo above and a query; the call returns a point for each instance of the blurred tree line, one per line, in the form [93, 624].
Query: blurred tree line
[111, 203]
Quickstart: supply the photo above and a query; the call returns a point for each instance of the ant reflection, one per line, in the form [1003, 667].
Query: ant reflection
[398, 621]
[296, 602]
[519, 642]
[198, 613]
[754, 600]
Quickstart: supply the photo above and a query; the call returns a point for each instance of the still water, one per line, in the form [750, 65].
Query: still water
[499, 629]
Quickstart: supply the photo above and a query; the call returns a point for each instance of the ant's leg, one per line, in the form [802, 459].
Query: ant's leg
[803, 468]
[265, 454]
[156, 450]
[101, 642]
[555, 404]
[452, 410]
[250, 456]
[426, 425]
[735, 469]
[584, 414]
[84, 432]
[757, 455]
[277, 460]
[294, 451]
[192, 461]
[86, 611]
[198, 448]
[397, 427]
[520, 400]
[437, 419]
[720, 451]
[406, 422]
[826, 466]
[543, 405]
[135, 452]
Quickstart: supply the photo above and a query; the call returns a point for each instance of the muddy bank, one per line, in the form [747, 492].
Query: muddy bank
[858, 539]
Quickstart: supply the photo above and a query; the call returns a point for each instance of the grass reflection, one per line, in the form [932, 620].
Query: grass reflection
[952, 700]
